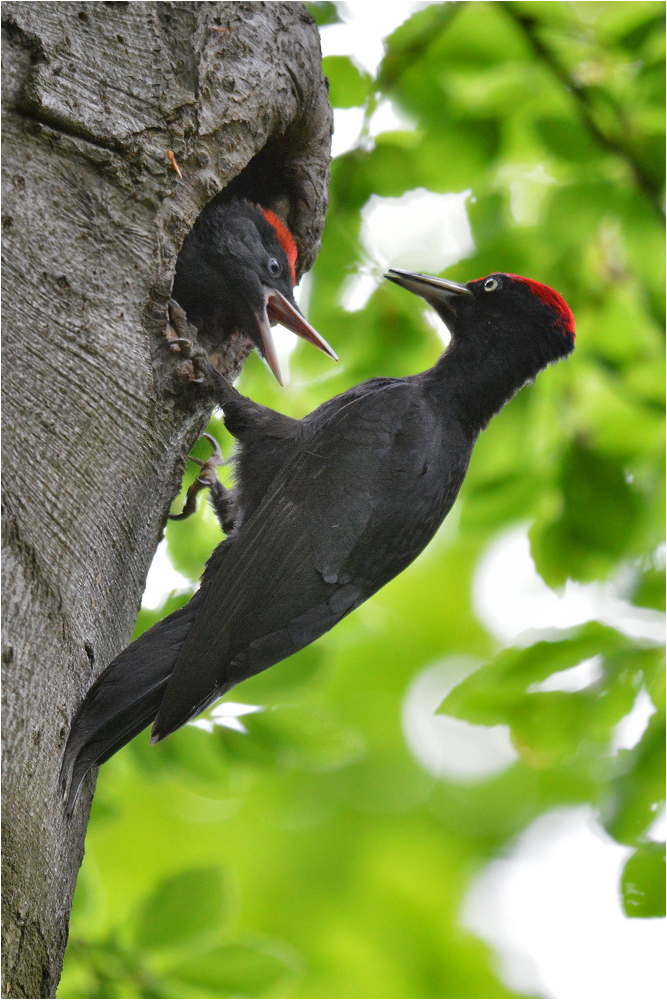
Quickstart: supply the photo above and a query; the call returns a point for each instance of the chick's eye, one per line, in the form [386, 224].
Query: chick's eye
[490, 285]
[274, 267]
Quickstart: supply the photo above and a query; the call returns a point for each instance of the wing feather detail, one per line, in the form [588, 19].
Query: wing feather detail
[290, 573]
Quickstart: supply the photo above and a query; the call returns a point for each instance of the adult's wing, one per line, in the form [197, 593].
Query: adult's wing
[291, 573]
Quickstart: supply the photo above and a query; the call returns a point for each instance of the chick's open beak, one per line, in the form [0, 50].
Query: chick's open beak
[278, 309]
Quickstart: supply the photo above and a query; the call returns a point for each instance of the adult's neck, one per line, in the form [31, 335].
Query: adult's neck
[476, 380]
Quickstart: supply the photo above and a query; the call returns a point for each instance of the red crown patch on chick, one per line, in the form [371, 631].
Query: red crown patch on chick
[285, 239]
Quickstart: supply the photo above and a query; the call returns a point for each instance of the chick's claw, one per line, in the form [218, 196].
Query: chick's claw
[181, 344]
[180, 336]
[178, 321]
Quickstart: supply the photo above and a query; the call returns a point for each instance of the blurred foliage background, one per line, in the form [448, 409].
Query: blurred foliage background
[314, 855]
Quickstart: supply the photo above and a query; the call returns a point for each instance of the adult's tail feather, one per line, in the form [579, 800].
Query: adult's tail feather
[124, 699]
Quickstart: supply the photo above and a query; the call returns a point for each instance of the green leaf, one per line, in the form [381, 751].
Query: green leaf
[550, 728]
[649, 591]
[233, 970]
[566, 138]
[597, 523]
[409, 44]
[637, 789]
[184, 907]
[486, 695]
[324, 12]
[191, 756]
[304, 737]
[643, 882]
[349, 86]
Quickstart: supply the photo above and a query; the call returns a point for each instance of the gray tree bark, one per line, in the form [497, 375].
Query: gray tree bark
[95, 95]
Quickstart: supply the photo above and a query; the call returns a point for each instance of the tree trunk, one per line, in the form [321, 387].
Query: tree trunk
[95, 438]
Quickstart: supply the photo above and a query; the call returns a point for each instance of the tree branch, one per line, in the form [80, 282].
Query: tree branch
[585, 105]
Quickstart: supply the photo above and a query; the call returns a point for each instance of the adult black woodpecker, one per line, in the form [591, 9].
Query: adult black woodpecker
[236, 274]
[326, 511]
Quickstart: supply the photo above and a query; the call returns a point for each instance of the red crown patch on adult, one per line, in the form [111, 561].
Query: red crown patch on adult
[551, 299]
[285, 239]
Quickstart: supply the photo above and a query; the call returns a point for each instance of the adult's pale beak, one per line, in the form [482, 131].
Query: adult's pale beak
[437, 292]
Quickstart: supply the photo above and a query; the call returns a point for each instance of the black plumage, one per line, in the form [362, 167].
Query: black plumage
[236, 274]
[327, 510]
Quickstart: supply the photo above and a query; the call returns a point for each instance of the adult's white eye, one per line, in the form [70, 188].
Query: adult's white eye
[274, 267]
[490, 285]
